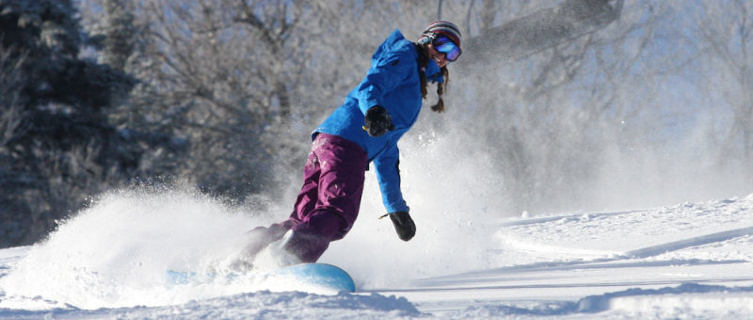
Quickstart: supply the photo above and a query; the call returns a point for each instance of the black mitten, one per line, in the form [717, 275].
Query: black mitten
[404, 225]
[377, 121]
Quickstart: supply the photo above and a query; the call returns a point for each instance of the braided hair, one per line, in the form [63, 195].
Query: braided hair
[444, 28]
[423, 59]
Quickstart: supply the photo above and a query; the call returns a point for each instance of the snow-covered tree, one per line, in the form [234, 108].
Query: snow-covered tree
[57, 144]
[725, 32]
[243, 82]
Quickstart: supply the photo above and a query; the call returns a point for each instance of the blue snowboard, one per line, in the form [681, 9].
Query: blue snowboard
[307, 274]
[319, 274]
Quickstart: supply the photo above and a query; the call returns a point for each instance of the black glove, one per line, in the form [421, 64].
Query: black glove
[377, 121]
[404, 225]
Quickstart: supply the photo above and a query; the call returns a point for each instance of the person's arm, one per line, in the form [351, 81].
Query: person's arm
[388, 175]
[383, 76]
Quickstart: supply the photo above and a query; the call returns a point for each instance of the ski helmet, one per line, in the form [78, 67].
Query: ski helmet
[441, 27]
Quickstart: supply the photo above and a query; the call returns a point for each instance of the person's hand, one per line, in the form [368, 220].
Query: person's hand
[377, 121]
[404, 225]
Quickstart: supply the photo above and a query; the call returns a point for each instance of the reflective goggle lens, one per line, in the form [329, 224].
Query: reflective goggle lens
[446, 46]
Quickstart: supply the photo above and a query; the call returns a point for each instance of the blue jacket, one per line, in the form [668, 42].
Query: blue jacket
[392, 82]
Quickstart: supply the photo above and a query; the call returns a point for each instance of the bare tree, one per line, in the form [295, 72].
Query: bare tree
[243, 83]
[551, 117]
[725, 29]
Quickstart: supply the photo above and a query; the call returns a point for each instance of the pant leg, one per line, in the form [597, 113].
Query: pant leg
[309, 194]
[340, 167]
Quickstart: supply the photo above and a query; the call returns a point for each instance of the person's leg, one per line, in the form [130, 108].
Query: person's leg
[260, 237]
[309, 194]
[341, 168]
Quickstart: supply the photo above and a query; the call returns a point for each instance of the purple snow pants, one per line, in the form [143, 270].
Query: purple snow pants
[328, 203]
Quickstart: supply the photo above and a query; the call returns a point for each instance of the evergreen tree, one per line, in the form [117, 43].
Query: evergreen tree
[58, 145]
[119, 32]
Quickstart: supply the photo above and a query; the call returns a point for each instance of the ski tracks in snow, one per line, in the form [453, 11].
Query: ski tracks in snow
[632, 234]
[677, 256]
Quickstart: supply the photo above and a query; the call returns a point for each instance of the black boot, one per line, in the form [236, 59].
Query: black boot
[305, 247]
[257, 239]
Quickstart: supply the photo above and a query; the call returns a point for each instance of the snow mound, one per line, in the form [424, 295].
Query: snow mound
[686, 300]
[263, 304]
[651, 233]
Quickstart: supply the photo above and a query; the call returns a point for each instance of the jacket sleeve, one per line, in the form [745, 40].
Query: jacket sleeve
[384, 75]
[388, 175]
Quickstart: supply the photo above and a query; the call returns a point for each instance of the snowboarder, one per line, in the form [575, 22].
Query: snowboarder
[364, 129]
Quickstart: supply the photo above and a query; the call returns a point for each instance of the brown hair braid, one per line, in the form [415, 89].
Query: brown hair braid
[423, 59]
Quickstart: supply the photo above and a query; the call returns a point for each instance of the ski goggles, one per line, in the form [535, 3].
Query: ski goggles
[445, 45]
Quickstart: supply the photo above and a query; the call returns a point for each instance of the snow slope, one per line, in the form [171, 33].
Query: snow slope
[692, 260]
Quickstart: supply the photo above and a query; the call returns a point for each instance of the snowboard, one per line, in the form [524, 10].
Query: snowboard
[306, 275]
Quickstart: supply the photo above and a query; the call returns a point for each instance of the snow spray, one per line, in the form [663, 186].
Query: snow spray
[116, 252]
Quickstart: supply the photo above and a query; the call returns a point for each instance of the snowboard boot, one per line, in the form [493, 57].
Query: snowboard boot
[305, 247]
[274, 256]
[257, 239]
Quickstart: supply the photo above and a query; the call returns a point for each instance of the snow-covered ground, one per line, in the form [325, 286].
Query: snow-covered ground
[692, 260]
